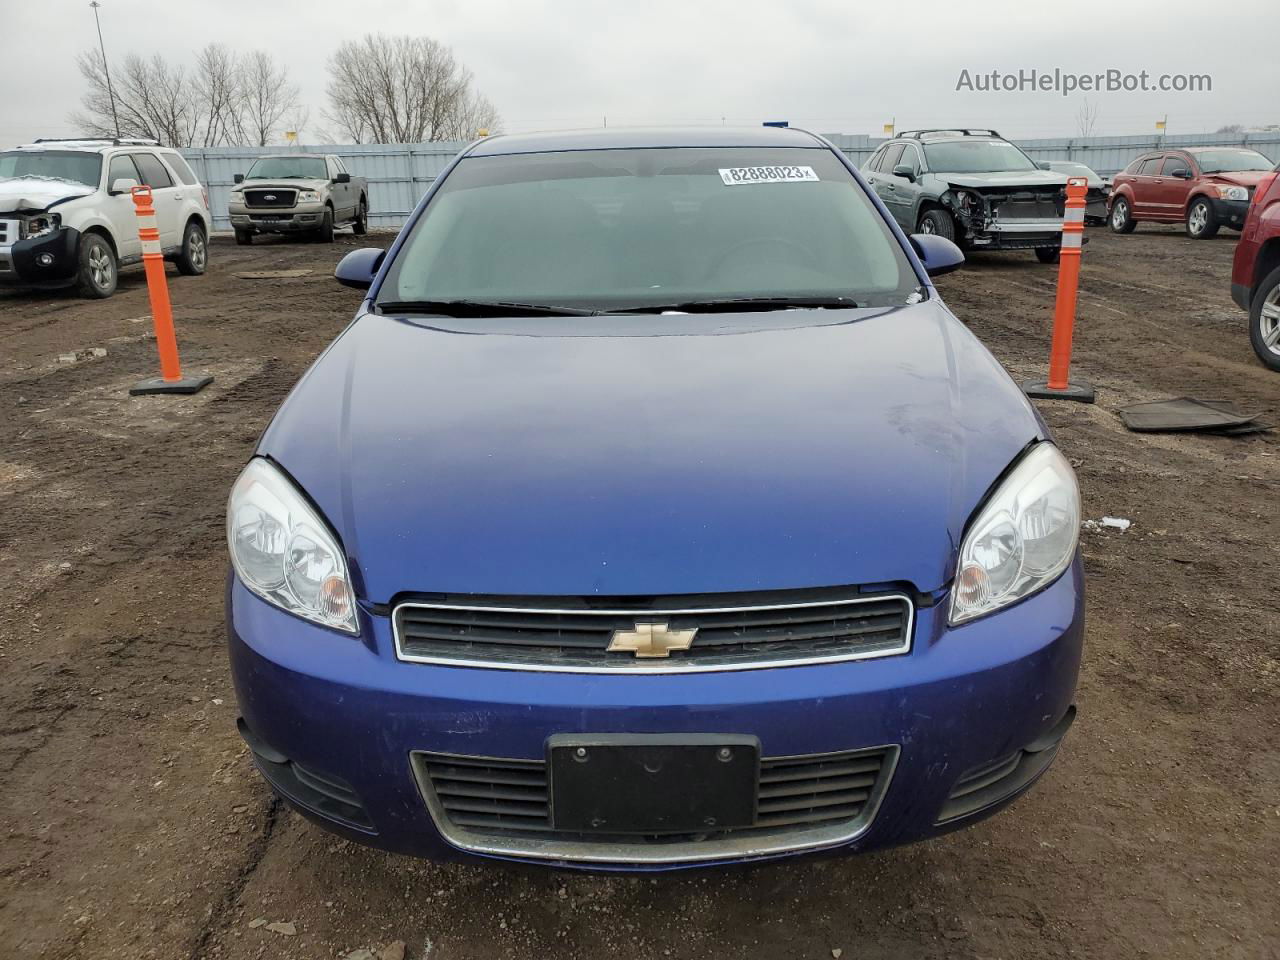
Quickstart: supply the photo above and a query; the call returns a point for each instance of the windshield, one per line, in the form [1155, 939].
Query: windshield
[976, 156]
[72, 166]
[287, 168]
[1231, 161]
[619, 229]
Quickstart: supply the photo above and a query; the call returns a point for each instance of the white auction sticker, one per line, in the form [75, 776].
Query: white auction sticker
[732, 176]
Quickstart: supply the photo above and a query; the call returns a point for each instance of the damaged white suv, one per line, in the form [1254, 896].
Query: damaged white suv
[67, 216]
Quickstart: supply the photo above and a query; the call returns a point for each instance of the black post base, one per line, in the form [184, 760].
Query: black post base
[160, 385]
[1079, 391]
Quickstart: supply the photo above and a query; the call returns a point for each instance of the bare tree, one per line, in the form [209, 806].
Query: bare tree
[154, 100]
[403, 90]
[224, 99]
[1230, 128]
[268, 97]
[220, 96]
[1087, 118]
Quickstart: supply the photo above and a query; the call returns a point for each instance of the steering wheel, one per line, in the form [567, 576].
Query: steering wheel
[792, 245]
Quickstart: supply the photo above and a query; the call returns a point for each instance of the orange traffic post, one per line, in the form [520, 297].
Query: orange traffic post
[1059, 386]
[171, 379]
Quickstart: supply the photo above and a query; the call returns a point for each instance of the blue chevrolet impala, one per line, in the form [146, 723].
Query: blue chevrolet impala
[654, 511]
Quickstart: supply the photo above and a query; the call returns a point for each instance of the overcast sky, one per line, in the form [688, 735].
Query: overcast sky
[830, 65]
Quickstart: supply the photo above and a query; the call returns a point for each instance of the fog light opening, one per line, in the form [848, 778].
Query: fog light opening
[45, 259]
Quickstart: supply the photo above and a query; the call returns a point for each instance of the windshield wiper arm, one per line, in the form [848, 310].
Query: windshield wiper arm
[744, 305]
[482, 308]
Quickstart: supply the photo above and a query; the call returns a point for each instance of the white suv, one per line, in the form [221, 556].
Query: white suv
[67, 217]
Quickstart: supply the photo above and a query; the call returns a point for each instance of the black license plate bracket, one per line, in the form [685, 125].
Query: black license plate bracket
[651, 784]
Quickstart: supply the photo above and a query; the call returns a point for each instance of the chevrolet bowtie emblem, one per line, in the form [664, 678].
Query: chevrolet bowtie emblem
[651, 640]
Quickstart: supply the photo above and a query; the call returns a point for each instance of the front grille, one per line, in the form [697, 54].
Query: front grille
[8, 231]
[503, 806]
[731, 632]
[270, 198]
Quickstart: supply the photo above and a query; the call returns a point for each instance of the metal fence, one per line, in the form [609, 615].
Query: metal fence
[399, 174]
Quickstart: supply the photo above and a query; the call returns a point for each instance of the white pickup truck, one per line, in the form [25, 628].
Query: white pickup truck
[308, 193]
[67, 215]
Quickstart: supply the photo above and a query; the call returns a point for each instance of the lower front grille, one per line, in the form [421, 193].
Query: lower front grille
[503, 807]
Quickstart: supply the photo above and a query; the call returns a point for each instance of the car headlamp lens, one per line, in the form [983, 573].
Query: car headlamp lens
[283, 552]
[1022, 539]
[1233, 193]
[308, 195]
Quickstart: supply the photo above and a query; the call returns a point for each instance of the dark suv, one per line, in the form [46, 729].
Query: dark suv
[970, 186]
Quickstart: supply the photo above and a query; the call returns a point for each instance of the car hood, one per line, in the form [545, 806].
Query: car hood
[286, 184]
[34, 194]
[1016, 178]
[1242, 178]
[652, 455]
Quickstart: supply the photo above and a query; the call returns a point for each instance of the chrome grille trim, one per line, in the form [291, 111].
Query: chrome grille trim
[654, 666]
[760, 842]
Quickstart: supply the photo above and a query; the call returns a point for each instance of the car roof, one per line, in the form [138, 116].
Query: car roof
[643, 138]
[91, 145]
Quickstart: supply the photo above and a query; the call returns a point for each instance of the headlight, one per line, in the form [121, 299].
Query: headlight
[1022, 539]
[1233, 193]
[966, 201]
[283, 551]
[41, 224]
[305, 196]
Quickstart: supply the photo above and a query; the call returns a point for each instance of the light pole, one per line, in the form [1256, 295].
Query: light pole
[111, 94]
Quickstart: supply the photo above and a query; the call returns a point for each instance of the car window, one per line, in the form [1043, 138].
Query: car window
[122, 168]
[285, 168]
[910, 157]
[1134, 166]
[342, 167]
[180, 167]
[892, 157]
[874, 163]
[1151, 167]
[154, 174]
[73, 166]
[976, 156]
[1174, 166]
[612, 229]
[1231, 161]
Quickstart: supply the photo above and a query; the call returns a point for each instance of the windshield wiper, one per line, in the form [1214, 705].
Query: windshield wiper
[482, 308]
[744, 305]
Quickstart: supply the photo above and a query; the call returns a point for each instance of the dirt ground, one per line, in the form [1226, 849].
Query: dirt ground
[132, 824]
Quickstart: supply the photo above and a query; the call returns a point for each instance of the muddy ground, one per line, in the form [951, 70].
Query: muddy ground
[132, 824]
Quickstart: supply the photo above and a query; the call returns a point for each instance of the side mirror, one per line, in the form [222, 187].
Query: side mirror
[358, 268]
[238, 178]
[938, 254]
[342, 178]
[122, 185]
[1183, 174]
[906, 171]
[1043, 165]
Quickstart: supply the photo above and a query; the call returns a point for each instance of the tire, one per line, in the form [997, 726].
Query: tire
[1264, 321]
[1048, 254]
[360, 226]
[1121, 216]
[244, 237]
[98, 272]
[938, 223]
[194, 256]
[1201, 224]
[325, 233]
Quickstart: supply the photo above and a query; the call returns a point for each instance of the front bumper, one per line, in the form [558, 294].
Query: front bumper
[266, 220]
[334, 721]
[47, 261]
[1231, 213]
[1016, 234]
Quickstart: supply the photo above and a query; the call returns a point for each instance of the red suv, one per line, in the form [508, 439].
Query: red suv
[1255, 274]
[1204, 187]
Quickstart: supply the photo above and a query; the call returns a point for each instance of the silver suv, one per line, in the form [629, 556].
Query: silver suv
[67, 216]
